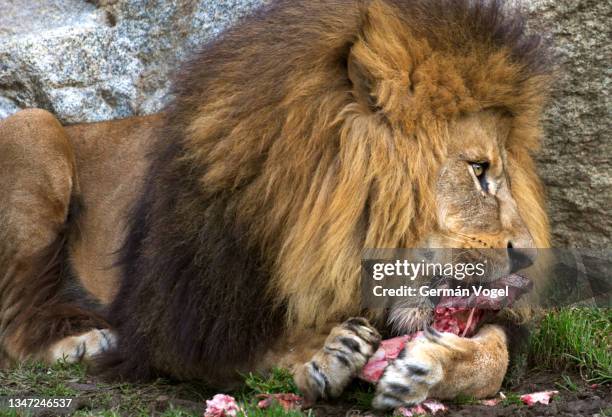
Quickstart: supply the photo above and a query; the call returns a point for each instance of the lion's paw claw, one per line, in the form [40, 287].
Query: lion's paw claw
[346, 351]
[408, 380]
[83, 347]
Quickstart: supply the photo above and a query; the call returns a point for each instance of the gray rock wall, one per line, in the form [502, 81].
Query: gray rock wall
[107, 59]
[576, 158]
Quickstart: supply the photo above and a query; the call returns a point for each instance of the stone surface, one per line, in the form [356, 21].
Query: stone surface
[96, 61]
[576, 158]
[32, 16]
[107, 59]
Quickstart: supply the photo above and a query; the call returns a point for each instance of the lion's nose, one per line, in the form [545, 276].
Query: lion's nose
[520, 258]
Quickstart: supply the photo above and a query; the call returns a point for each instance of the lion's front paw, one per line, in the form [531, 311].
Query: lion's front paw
[443, 366]
[346, 351]
[408, 379]
[83, 347]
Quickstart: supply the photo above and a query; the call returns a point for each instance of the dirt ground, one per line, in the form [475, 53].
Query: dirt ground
[581, 401]
[578, 400]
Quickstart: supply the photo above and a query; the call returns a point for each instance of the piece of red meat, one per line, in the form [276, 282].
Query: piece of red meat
[457, 315]
[459, 321]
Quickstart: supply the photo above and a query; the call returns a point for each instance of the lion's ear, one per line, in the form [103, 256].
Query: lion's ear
[372, 57]
[381, 58]
[362, 80]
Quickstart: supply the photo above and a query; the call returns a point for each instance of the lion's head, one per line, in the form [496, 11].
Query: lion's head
[459, 103]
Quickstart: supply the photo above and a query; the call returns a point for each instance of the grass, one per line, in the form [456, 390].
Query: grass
[568, 384]
[12, 413]
[360, 394]
[567, 341]
[512, 398]
[251, 410]
[465, 400]
[575, 339]
[278, 381]
[62, 380]
[119, 400]
[40, 380]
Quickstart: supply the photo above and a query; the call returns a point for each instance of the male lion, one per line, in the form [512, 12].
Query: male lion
[225, 234]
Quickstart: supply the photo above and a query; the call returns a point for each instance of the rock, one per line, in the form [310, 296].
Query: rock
[108, 59]
[575, 161]
[89, 62]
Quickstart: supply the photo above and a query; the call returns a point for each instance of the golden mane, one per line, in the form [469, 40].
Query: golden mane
[323, 176]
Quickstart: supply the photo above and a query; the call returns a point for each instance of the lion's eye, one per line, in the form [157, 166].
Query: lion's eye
[480, 170]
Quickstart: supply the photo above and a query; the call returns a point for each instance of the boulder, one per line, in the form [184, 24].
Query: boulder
[104, 60]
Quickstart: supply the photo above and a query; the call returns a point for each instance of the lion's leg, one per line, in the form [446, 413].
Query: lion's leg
[443, 366]
[323, 364]
[38, 317]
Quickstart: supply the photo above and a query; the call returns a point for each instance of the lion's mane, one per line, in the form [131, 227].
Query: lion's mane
[301, 136]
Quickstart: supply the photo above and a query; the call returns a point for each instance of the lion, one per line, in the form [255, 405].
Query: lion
[224, 235]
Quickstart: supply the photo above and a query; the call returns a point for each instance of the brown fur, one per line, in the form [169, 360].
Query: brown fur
[36, 304]
[312, 130]
[111, 163]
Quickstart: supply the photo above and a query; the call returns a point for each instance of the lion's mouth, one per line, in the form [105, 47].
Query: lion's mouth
[494, 295]
[462, 315]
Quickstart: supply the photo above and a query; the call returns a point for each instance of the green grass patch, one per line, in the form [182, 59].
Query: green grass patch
[465, 400]
[568, 384]
[279, 380]
[62, 380]
[178, 412]
[134, 400]
[512, 398]
[578, 339]
[40, 380]
[360, 394]
[251, 410]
